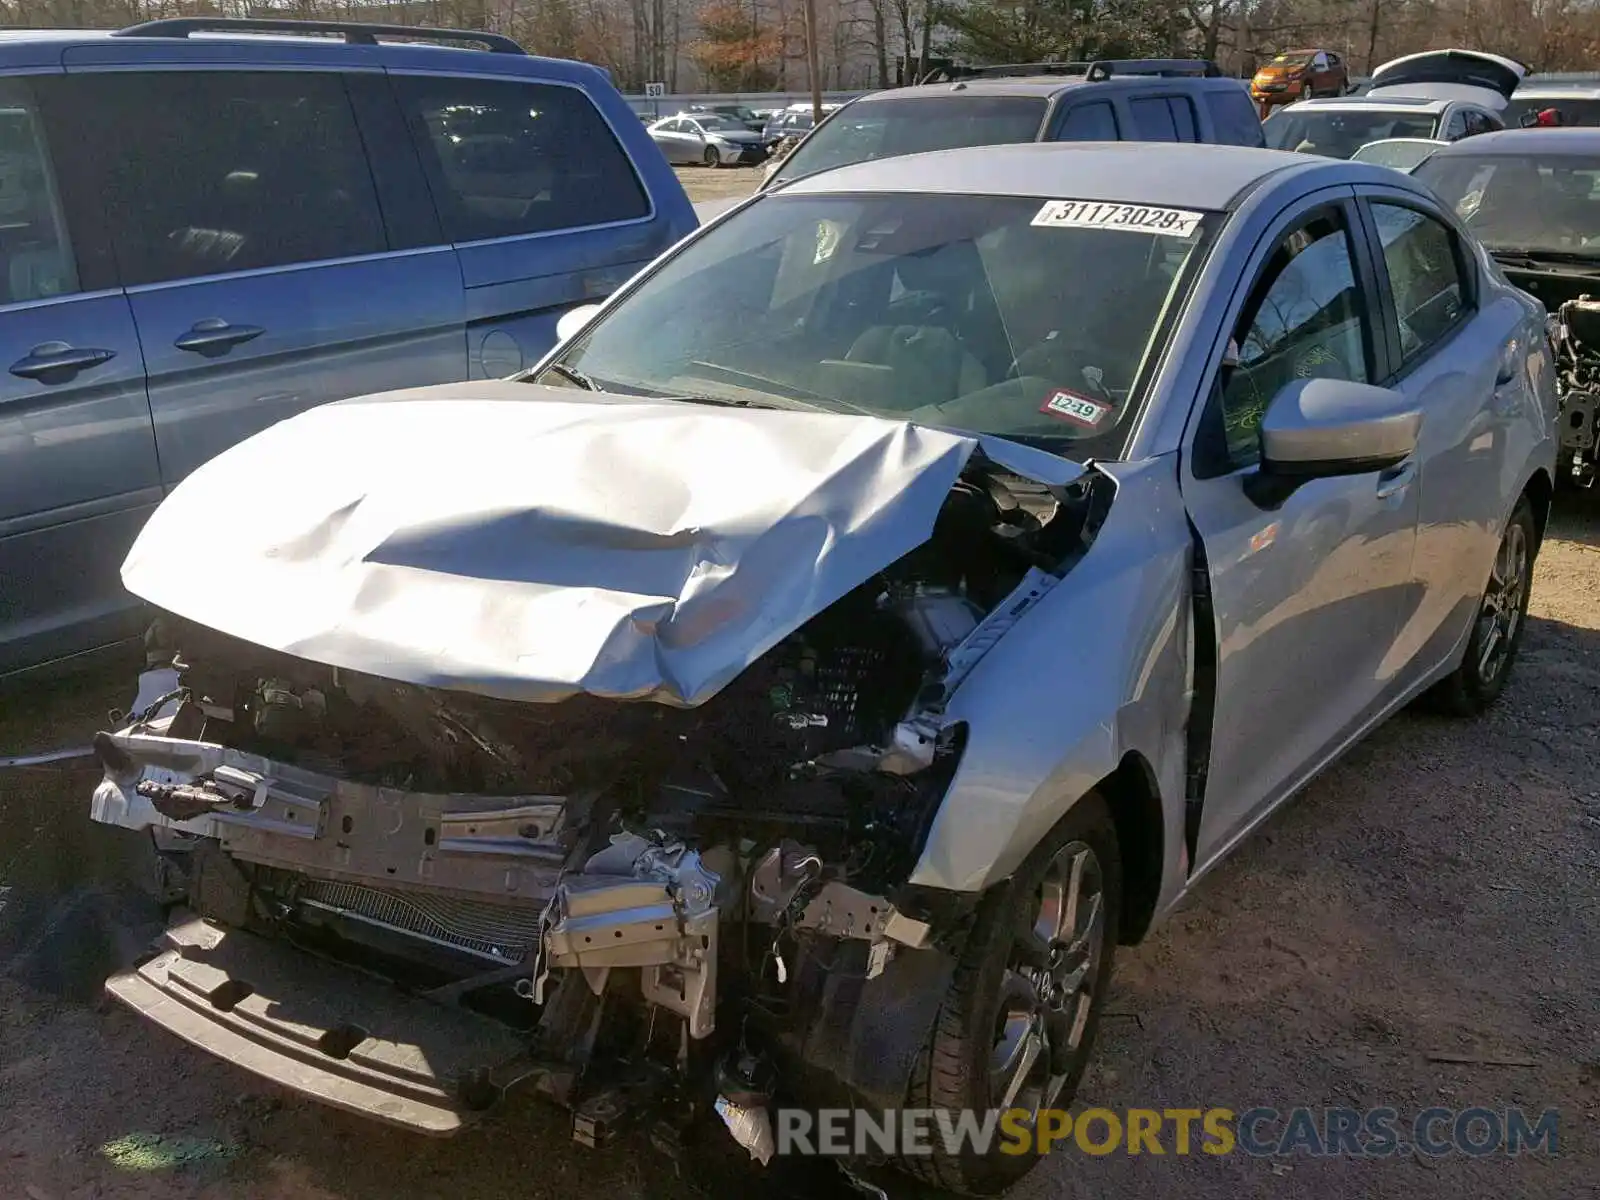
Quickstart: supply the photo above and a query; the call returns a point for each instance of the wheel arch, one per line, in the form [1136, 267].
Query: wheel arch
[1134, 798]
[1540, 491]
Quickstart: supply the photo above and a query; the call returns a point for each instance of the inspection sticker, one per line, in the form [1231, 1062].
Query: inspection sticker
[1135, 218]
[1080, 410]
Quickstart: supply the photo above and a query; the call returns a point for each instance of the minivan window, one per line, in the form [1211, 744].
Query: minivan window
[1095, 122]
[1154, 119]
[35, 259]
[216, 171]
[506, 158]
[1233, 116]
[887, 128]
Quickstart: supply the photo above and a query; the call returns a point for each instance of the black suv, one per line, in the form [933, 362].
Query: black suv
[1146, 100]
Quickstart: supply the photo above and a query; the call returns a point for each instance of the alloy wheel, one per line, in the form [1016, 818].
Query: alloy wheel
[1501, 613]
[1047, 991]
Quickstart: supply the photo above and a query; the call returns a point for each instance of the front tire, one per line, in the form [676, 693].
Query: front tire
[711, 158]
[1497, 629]
[1018, 1023]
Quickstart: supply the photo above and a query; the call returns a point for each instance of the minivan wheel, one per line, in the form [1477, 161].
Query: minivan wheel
[1018, 1023]
[1497, 629]
[711, 158]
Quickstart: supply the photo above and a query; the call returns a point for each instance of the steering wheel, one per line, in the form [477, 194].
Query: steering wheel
[1068, 365]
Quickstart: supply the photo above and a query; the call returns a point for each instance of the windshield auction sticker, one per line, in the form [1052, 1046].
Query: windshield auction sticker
[1135, 218]
[1080, 410]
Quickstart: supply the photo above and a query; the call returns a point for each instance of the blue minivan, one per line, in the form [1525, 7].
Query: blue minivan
[209, 225]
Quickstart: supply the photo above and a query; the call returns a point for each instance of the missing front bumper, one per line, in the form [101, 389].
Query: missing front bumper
[315, 1027]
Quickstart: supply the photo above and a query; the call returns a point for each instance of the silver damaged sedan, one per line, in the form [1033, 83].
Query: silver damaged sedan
[792, 691]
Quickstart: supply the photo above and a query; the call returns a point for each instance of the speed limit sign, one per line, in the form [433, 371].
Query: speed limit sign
[654, 91]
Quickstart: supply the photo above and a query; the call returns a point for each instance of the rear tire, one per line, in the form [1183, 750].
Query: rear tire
[1497, 629]
[1307, 91]
[1018, 1023]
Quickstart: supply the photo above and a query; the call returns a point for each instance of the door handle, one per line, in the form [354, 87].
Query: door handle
[57, 362]
[214, 336]
[1396, 480]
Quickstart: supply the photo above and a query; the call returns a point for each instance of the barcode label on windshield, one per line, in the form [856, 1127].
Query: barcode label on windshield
[1135, 218]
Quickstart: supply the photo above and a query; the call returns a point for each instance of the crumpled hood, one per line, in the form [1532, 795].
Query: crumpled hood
[519, 542]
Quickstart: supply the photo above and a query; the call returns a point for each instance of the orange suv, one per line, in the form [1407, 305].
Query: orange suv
[1300, 75]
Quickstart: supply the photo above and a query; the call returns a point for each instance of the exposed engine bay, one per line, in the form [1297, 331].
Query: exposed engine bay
[655, 903]
[1577, 341]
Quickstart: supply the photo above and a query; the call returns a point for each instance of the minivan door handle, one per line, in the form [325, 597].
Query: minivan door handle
[214, 336]
[57, 362]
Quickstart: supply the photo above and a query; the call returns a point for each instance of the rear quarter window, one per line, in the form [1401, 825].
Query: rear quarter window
[1233, 118]
[512, 157]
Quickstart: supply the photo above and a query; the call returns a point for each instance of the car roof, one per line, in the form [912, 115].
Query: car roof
[1043, 86]
[1183, 175]
[1383, 103]
[1570, 139]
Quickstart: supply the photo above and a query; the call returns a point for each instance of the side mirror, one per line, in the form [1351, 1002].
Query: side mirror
[571, 322]
[1319, 428]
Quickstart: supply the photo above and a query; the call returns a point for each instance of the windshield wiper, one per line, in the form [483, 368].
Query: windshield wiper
[574, 376]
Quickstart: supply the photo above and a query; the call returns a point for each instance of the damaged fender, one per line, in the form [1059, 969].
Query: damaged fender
[1051, 716]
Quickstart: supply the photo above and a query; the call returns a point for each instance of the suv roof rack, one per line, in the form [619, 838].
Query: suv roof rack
[1003, 71]
[1102, 68]
[355, 33]
[1105, 68]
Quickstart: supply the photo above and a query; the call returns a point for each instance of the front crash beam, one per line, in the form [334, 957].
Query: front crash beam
[317, 1028]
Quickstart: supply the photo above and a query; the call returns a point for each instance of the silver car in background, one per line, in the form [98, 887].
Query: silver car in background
[799, 685]
[709, 139]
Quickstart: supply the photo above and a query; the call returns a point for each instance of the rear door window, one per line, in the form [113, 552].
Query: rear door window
[1096, 122]
[1153, 116]
[1233, 117]
[208, 172]
[508, 157]
[1431, 295]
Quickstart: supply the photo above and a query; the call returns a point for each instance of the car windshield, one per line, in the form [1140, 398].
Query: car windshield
[1340, 132]
[1530, 202]
[886, 128]
[716, 121]
[1297, 58]
[1402, 155]
[1028, 318]
[1578, 110]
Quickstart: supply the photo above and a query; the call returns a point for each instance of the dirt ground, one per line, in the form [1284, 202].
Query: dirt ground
[706, 183]
[1435, 892]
